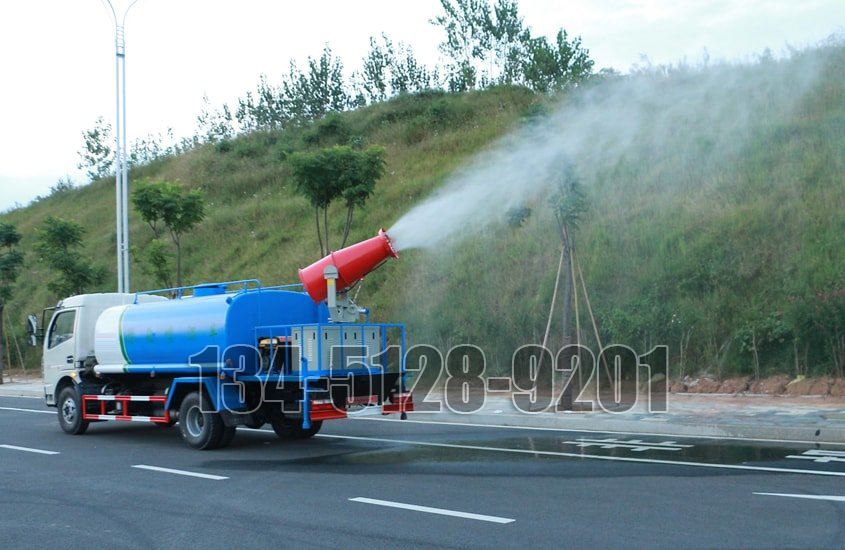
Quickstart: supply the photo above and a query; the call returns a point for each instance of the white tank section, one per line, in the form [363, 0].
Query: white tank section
[107, 347]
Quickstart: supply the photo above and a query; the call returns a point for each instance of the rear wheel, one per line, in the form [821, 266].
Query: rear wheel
[70, 412]
[288, 428]
[200, 430]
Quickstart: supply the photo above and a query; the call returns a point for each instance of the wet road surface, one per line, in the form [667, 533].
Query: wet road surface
[386, 483]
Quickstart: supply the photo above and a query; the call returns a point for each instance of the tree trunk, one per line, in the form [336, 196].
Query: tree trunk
[178, 263]
[326, 228]
[319, 233]
[348, 225]
[2, 345]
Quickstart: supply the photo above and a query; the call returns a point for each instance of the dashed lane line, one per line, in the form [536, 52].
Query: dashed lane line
[430, 510]
[835, 498]
[179, 472]
[26, 410]
[29, 450]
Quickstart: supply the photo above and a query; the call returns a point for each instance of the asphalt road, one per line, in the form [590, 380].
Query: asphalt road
[387, 484]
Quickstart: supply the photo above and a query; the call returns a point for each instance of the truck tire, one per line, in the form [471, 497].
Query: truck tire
[288, 428]
[200, 430]
[69, 408]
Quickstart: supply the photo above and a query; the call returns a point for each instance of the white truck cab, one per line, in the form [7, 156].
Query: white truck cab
[69, 337]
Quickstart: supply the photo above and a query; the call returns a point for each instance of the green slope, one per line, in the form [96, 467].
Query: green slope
[757, 243]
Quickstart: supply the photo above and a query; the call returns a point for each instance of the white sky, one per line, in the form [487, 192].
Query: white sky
[57, 56]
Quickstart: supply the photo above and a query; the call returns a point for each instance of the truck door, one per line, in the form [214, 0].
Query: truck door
[58, 350]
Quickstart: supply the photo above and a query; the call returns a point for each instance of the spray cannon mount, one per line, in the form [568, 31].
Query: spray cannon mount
[330, 278]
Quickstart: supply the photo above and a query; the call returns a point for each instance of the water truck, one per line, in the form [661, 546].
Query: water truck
[216, 356]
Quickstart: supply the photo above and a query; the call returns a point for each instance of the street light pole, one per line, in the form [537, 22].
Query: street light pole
[121, 181]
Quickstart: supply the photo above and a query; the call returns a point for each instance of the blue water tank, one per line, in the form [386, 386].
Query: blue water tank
[171, 335]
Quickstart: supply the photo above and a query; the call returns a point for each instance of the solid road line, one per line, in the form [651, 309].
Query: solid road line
[583, 430]
[596, 457]
[428, 509]
[26, 410]
[811, 497]
[29, 450]
[179, 472]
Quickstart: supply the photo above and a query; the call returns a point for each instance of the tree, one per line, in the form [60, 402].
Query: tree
[467, 38]
[11, 260]
[97, 156]
[179, 210]
[336, 172]
[553, 67]
[568, 204]
[57, 246]
[375, 72]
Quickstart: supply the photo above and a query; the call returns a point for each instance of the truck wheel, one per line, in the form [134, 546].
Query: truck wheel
[287, 428]
[70, 412]
[200, 430]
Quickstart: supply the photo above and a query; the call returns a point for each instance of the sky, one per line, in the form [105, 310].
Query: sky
[57, 56]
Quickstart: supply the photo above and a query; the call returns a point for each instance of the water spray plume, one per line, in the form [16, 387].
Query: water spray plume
[703, 114]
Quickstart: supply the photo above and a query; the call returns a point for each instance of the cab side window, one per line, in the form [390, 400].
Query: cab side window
[61, 329]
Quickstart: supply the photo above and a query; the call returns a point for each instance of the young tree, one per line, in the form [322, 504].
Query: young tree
[336, 172]
[96, 155]
[467, 38]
[375, 71]
[57, 245]
[11, 260]
[568, 204]
[178, 210]
[552, 67]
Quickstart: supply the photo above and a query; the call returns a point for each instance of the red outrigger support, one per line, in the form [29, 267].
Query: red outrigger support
[123, 401]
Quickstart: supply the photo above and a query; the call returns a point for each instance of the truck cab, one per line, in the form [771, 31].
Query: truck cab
[69, 338]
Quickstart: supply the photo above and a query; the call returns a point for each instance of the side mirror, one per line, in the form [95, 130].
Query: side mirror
[32, 330]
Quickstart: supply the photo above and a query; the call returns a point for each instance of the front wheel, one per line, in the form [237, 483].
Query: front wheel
[287, 428]
[200, 430]
[70, 412]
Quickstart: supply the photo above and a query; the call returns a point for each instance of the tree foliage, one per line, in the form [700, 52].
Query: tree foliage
[167, 206]
[58, 247]
[338, 172]
[97, 155]
[490, 44]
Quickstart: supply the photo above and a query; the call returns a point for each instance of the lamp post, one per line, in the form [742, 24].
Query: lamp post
[121, 182]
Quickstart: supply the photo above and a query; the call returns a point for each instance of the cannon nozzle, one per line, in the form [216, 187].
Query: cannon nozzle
[352, 264]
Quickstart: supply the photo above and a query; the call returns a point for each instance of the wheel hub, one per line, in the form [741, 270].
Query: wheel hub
[194, 421]
[69, 411]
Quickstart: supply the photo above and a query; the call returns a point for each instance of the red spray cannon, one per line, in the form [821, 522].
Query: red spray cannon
[352, 263]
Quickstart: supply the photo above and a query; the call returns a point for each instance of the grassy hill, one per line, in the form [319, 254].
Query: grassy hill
[745, 250]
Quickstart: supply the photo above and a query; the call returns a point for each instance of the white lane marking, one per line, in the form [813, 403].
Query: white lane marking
[179, 472]
[820, 455]
[26, 410]
[597, 457]
[428, 509]
[23, 396]
[637, 445]
[29, 450]
[616, 432]
[834, 498]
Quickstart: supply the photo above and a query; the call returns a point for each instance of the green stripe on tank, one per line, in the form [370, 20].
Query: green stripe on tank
[122, 344]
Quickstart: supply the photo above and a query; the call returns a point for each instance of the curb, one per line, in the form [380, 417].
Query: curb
[9, 390]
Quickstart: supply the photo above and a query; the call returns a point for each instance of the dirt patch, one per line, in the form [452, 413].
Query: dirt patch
[809, 386]
[735, 385]
[703, 385]
[837, 388]
[678, 387]
[772, 385]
